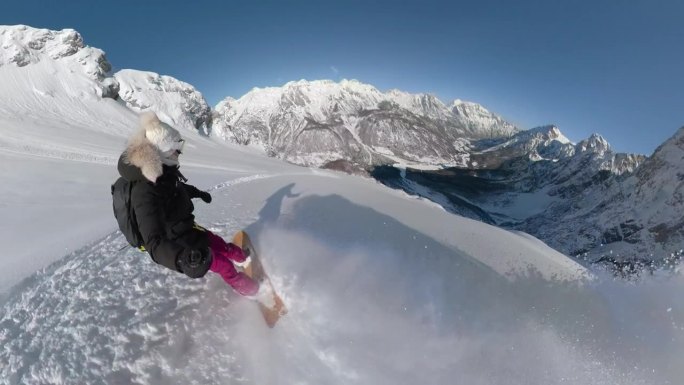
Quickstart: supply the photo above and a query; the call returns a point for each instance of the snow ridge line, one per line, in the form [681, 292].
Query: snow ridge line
[251, 178]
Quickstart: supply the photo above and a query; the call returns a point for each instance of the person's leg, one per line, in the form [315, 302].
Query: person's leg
[228, 250]
[222, 265]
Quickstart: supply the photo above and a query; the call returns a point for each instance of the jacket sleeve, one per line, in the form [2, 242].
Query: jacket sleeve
[150, 215]
[192, 191]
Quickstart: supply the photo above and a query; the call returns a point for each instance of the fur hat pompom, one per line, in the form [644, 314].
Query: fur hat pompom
[160, 134]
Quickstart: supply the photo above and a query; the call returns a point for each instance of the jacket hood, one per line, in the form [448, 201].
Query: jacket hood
[160, 134]
[128, 171]
[149, 150]
[133, 173]
[141, 160]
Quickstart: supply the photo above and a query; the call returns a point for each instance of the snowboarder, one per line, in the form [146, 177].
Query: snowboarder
[161, 202]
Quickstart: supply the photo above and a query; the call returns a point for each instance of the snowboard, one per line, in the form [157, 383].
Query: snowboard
[272, 306]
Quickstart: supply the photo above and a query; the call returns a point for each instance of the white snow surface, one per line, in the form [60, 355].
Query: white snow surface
[382, 288]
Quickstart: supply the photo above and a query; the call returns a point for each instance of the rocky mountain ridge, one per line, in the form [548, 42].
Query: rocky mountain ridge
[23, 45]
[582, 199]
[314, 123]
[175, 101]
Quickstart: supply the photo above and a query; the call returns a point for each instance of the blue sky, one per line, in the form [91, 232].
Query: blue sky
[611, 67]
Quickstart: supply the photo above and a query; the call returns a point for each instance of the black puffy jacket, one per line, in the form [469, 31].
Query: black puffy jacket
[164, 211]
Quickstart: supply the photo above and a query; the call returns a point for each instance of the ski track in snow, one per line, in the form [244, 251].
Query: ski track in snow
[236, 181]
[54, 153]
[256, 177]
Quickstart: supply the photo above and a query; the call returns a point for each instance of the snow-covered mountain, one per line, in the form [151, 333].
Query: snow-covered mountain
[637, 216]
[547, 143]
[529, 180]
[350, 125]
[22, 45]
[177, 102]
[315, 123]
[582, 199]
[480, 121]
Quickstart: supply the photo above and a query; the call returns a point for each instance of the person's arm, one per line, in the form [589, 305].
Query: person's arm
[149, 216]
[194, 192]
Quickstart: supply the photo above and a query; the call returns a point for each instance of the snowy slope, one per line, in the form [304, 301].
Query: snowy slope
[382, 288]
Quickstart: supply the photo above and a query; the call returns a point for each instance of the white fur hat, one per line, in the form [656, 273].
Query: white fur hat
[160, 134]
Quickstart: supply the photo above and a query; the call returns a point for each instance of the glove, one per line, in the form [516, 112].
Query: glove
[195, 263]
[205, 196]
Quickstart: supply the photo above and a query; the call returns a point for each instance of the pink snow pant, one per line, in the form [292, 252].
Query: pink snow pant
[224, 254]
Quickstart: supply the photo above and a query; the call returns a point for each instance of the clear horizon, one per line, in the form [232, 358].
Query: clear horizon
[587, 67]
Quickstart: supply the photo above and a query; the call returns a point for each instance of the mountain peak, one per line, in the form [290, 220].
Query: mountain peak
[461, 107]
[551, 132]
[595, 143]
[461, 102]
[177, 103]
[23, 45]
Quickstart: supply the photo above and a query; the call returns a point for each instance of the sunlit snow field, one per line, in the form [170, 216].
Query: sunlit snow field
[373, 299]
